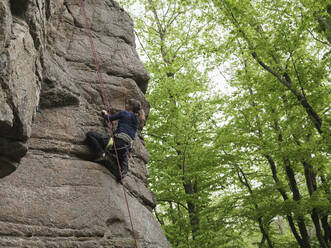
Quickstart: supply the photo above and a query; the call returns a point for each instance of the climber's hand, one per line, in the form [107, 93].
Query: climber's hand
[104, 113]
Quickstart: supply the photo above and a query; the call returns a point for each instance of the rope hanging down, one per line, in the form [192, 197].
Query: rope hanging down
[106, 103]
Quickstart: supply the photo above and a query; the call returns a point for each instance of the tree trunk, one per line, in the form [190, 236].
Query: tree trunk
[193, 209]
[265, 235]
[297, 197]
[325, 224]
[285, 197]
[327, 229]
[312, 186]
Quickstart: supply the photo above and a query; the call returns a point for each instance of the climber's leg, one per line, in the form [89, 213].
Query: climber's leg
[97, 142]
[122, 148]
[124, 166]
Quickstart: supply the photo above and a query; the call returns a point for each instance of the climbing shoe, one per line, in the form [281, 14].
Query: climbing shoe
[100, 157]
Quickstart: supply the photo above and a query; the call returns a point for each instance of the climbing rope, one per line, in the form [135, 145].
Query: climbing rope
[106, 103]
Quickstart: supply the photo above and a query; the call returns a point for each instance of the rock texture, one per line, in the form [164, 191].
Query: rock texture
[51, 193]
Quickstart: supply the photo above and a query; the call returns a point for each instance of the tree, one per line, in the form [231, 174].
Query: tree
[273, 44]
[179, 130]
[251, 169]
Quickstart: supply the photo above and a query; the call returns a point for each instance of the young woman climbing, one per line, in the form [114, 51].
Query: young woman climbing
[129, 121]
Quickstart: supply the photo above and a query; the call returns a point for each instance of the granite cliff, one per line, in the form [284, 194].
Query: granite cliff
[51, 192]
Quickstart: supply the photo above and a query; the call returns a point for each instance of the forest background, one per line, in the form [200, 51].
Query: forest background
[248, 166]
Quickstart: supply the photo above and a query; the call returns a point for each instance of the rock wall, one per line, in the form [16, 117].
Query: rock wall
[51, 192]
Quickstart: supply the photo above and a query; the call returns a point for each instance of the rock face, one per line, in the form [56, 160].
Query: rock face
[51, 192]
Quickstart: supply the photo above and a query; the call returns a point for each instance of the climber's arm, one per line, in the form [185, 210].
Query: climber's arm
[113, 117]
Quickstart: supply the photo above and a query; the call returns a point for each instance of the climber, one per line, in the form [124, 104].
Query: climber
[129, 122]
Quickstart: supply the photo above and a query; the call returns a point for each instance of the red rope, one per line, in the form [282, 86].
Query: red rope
[106, 103]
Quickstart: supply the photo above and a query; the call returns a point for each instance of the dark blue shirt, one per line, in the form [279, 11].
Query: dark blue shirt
[128, 122]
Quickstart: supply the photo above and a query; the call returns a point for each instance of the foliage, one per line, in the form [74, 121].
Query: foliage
[251, 168]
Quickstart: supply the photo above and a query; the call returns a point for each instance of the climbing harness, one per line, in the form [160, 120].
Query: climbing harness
[122, 136]
[107, 107]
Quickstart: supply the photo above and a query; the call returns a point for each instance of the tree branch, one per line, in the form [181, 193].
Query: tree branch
[178, 203]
